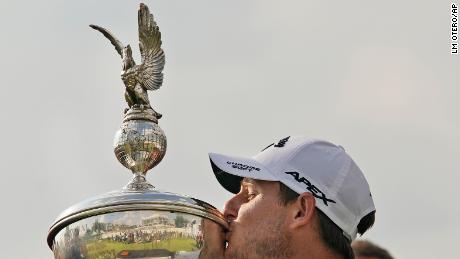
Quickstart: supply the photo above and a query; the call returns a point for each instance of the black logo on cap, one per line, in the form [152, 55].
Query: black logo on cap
[310, 187]
[280, 143]
[242, 166]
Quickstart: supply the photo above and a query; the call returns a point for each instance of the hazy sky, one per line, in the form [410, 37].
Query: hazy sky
[376, 77]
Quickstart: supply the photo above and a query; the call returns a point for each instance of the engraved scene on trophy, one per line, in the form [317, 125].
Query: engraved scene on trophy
[132, 234]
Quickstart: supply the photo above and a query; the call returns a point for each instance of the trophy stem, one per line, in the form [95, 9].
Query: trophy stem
[138, 183]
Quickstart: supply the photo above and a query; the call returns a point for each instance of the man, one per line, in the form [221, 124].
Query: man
[298, 198]
[369, 250]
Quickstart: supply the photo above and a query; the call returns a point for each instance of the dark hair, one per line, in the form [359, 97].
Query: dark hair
[330, 233]
[366, 248]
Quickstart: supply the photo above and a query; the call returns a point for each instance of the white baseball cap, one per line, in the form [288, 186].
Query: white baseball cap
[306, 165]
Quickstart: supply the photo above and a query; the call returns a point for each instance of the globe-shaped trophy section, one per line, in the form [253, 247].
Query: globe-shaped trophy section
[139, 145]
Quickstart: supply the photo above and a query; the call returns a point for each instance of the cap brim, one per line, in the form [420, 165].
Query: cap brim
[230, 170]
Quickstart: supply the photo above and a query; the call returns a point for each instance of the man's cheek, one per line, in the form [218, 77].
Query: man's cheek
[247, 213]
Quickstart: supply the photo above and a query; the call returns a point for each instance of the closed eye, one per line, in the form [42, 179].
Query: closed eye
[251, 196]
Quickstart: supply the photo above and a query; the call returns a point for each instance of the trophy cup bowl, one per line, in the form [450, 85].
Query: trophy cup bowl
[134, 224]
[137, 221]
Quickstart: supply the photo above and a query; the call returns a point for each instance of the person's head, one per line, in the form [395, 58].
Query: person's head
[296, 196]
[368, 250]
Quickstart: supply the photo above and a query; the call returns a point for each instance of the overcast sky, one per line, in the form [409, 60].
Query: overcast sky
[376, 78]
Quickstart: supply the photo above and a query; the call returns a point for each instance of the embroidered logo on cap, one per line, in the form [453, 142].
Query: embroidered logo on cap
[280, 143]
[242, 166]
[310, 187]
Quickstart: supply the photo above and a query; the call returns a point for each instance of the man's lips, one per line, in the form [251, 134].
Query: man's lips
[227, 238]
[228, 235]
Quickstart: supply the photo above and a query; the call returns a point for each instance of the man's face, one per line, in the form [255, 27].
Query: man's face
[257, 222]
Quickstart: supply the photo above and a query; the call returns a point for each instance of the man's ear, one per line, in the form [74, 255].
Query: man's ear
[302, 210]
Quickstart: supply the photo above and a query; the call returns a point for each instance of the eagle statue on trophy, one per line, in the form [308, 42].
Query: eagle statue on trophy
[148, 75]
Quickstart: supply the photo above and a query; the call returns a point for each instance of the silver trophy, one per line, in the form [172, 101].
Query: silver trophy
[137, 221]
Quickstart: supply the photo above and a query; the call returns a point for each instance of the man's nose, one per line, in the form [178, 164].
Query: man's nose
[231, 208]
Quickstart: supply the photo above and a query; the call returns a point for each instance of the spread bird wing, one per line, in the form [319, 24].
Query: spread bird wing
[153, 58]
[115, 42]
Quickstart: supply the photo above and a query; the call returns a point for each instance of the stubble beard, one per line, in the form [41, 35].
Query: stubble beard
[271, 242]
